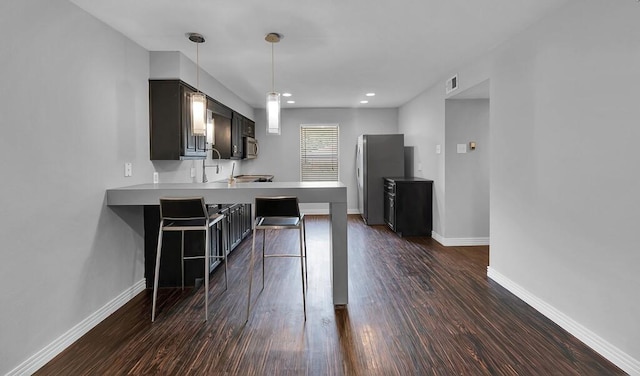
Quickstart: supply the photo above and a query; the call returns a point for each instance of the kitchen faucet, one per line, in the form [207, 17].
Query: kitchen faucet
[205, 165]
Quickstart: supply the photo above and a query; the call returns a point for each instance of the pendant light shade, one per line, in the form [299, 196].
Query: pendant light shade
[273, 97]
[198, 100]
[198, 114]
[273, 113]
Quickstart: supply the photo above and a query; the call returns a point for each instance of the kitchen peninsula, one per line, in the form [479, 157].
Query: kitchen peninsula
[333, 193]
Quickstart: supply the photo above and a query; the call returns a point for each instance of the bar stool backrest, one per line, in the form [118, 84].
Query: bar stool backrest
[282, 206]
[183, 208]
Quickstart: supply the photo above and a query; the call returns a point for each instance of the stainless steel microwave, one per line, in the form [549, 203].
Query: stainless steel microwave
[250, 148]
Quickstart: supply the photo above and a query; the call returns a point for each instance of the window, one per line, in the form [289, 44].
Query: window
[319, 152]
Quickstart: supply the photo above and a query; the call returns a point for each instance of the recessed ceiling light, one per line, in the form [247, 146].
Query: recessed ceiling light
[370, 94]
[291, 102]
[286, 94]
[363, 102]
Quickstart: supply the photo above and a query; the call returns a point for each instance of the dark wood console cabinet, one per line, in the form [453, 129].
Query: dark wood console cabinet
[408, 206]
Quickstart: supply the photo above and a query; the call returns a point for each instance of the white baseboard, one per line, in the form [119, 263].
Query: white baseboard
[604, 348]
[458, 242]
[42, 357]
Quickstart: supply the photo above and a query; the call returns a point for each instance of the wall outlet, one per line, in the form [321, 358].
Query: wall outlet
[128, 169]
[438, 149]
[156, 178]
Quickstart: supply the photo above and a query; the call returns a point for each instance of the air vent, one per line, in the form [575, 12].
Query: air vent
[452, 84]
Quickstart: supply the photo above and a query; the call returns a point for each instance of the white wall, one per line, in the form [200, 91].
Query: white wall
[74, 105]
[564, 184]
[279, 155]
[422, 122]
[467, 174]
[175, 65]
[564, 205]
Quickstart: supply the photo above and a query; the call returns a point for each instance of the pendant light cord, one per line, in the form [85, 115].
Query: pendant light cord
[273, 75]
[197, 67]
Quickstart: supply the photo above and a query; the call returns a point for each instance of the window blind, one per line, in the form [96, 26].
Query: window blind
[319, 152]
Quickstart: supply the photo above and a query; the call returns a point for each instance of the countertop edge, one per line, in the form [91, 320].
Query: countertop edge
[149, 194]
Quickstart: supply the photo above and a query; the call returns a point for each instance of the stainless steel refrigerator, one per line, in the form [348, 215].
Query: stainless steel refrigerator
[377, 156]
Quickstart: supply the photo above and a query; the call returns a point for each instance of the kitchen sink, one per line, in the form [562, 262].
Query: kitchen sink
[253, 178]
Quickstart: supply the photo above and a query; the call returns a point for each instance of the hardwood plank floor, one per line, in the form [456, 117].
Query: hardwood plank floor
[415, 308]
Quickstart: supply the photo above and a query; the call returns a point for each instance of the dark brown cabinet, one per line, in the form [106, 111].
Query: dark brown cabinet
[170, 132]
[222, 128]
[238, 218]
[248, 128]
[237, 123]
[238, 226]
[229, 129]
[408, 206]
[169, 122]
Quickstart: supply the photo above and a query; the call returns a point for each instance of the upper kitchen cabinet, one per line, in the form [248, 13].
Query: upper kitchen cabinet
[229, 135]
[170, 132]
[237, 129]
[248, 128]
[230, 129]
[222, 128]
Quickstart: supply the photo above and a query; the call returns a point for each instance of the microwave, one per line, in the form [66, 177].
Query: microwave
[250, 148]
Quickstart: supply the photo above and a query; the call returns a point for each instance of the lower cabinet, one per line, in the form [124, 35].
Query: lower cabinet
[238, 217]
[407, 206]
[238, 225]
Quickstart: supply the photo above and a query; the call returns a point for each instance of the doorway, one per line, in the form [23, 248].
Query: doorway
[467, 161]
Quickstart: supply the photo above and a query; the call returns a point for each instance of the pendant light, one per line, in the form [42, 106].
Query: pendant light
[198, 100]
[273, 97]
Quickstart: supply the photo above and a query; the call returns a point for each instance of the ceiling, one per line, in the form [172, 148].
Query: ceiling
[333, 51]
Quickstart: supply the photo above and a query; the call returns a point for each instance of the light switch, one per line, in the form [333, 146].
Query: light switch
[462, 148]
[419, 166]
[128, 169]
[156, 178]
[438, 149]
[193, 172]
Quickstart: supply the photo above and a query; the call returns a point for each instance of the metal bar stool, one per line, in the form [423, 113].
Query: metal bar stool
[279, 213]
[189, 214]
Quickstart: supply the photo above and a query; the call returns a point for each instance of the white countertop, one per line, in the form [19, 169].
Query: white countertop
[215, 192]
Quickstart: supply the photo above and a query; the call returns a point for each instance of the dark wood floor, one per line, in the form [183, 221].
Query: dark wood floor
[415, 308]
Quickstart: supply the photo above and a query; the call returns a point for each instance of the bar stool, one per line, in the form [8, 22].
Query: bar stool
[189, 214]
[279, 213]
